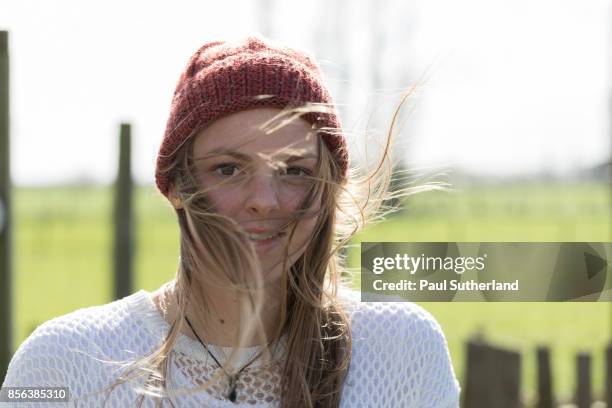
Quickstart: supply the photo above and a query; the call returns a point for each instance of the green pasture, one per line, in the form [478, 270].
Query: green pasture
[62, 260]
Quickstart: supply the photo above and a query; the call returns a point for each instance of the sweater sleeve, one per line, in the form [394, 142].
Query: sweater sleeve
[400, 358]
[58, 354]
[40, 361]
[438, 385]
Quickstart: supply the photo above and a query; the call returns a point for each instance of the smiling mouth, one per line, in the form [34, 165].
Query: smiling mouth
[266, 236]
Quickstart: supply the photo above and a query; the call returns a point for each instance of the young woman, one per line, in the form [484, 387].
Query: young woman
[255, 165]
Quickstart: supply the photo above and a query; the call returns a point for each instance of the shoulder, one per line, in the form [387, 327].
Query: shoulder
[402, 343]
[389, 318]
[72, 349]
[85, 327]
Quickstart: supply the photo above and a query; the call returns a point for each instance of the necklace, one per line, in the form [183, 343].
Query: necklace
[232, 395]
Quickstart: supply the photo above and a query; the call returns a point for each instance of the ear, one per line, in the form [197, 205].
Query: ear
[175, 200]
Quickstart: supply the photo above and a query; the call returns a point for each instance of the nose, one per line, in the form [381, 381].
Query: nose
[263, 197]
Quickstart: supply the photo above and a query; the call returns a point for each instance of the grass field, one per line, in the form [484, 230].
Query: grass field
[63, 259]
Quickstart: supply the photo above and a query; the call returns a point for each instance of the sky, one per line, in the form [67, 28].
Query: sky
[506, 87]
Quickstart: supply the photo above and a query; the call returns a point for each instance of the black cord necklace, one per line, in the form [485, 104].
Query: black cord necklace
[232, 395]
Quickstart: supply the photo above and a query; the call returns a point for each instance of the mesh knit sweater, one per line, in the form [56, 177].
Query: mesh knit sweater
[400, 359]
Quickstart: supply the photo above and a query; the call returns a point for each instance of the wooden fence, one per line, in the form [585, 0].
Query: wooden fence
[493, 378]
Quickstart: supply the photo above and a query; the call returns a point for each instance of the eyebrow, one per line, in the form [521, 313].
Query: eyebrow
[241, 156]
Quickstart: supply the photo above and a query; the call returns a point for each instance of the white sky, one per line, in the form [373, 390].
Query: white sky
[514, 87]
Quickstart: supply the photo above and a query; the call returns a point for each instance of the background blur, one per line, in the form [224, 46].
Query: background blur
[512, 108]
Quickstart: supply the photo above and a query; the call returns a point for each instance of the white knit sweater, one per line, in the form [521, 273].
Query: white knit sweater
[399, 359]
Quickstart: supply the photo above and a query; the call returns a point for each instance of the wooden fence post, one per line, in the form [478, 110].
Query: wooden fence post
[583, 390]
[545, 396]
[6, 318]
[493, 377]
[123, 245]
[608, 378]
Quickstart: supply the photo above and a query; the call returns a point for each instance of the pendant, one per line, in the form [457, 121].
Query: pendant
[232, 395]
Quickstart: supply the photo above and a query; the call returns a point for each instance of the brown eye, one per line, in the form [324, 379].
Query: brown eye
[297, 171]
[225, 169]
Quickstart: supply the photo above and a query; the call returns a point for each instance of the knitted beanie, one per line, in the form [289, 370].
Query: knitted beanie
[223, 78]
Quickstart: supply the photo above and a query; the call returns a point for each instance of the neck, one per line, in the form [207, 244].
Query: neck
[217, 319]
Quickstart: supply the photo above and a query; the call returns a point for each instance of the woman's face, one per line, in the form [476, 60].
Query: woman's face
[260, 179]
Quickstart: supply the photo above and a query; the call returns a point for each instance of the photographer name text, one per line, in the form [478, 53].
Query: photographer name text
[440, 286]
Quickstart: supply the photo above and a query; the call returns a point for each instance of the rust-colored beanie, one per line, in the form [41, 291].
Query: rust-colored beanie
[223, 78]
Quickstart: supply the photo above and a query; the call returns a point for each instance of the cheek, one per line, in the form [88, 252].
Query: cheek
[226, 202]
[293, 199]
[302, 237]
[292, 202]
[306, 226]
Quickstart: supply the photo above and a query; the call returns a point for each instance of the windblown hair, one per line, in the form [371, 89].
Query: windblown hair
[316, 326]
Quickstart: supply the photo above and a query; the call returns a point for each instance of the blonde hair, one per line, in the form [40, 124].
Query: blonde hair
[317, 328]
